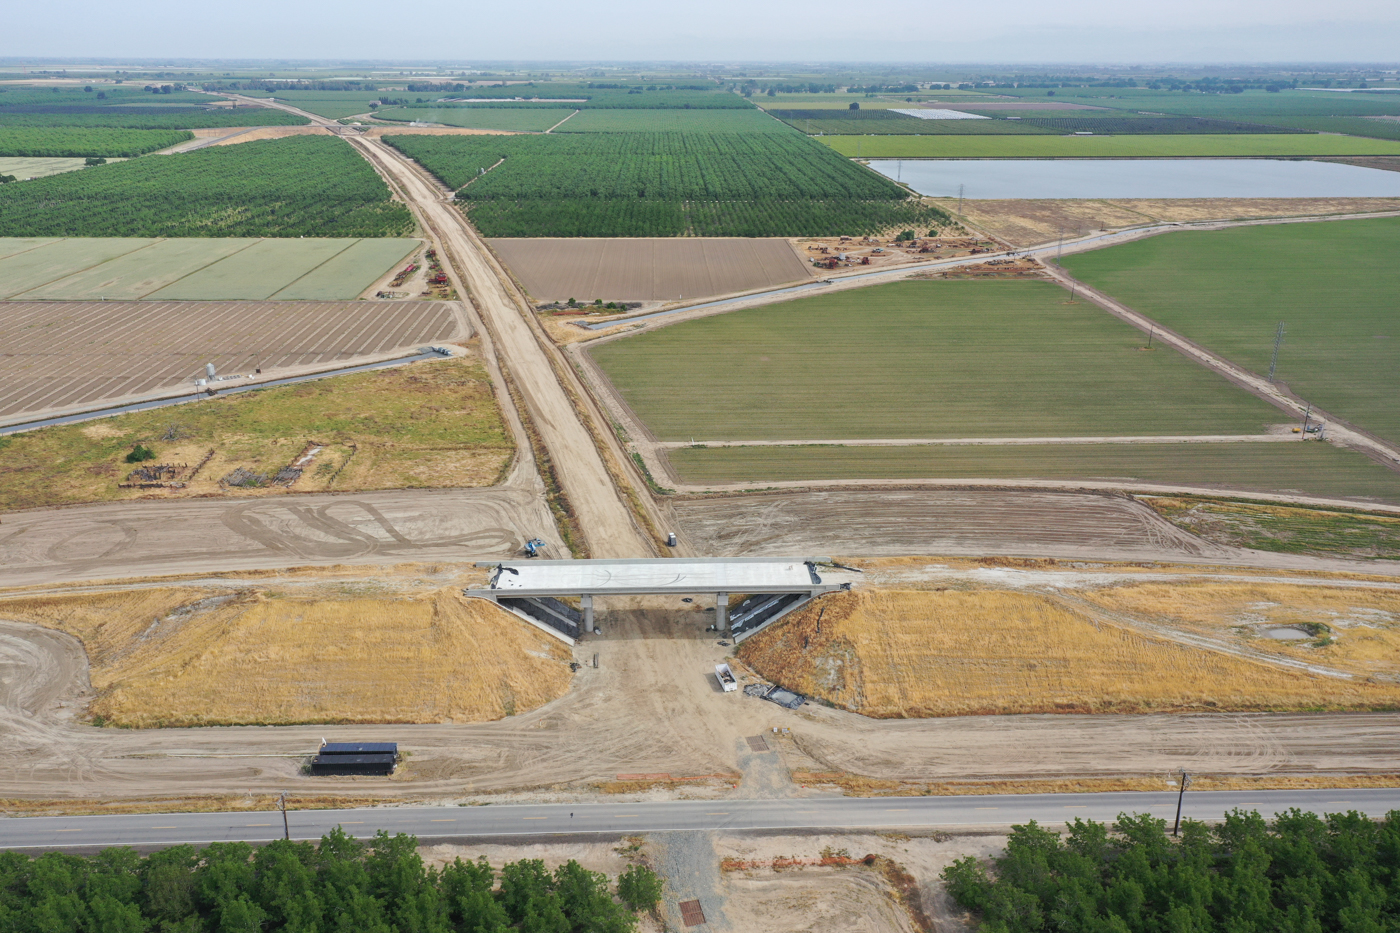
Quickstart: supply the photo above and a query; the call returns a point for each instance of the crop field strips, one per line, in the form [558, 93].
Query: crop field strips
[1311, 468]
[1121, 147]
[26, 168]
[1379, 127]
[887, 122]
[79, 142]
[672, 121]
[583, 97]
[204, 268]
[350, 272]
[62, 355]
[305, 185]
[932, 359]
[255, 273]
[662, 184]
[151, 118]
[1250, 105]
[649, 269]
[1335, 286]
[333, 105]
[513, 121]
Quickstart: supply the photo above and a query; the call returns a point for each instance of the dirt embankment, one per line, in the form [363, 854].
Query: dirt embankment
[186, 656]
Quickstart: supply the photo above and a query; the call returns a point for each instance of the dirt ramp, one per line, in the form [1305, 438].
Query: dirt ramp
[880, 523]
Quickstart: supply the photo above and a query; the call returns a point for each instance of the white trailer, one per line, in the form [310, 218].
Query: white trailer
[726, 678]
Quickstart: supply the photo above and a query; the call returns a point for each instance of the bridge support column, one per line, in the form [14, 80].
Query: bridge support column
[722, 613]
[587, 602]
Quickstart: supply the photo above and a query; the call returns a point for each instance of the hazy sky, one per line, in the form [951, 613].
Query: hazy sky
[1111, 31]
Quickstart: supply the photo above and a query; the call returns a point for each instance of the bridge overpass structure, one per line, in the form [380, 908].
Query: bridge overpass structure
[536, 590]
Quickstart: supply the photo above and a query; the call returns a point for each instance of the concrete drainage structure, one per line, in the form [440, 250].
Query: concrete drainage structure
[773, 587]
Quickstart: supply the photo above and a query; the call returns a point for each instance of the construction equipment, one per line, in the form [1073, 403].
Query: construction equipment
[726, 678]
[533, 547]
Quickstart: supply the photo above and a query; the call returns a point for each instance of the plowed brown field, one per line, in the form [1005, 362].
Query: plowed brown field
[66, 355]
[648, 269]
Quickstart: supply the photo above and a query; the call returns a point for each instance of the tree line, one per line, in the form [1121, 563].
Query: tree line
[1299, 873]
[340, 885]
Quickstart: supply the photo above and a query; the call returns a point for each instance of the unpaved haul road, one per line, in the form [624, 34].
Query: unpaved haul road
[607, 523]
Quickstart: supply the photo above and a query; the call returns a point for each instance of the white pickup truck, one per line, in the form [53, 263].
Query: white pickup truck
[726, 678]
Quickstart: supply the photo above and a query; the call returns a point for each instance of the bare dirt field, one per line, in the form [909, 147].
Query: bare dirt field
[648, 269]
[130, 539]
[890, 522]
[1033, 222]
[257, 656]
[63, 356]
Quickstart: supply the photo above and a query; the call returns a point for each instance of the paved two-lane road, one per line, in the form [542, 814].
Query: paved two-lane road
[797, 815]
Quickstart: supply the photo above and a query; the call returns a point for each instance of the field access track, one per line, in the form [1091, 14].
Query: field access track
[61, 356]
[649, 268]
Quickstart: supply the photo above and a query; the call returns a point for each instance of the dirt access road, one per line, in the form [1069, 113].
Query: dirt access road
[606, 521]
[651, 707]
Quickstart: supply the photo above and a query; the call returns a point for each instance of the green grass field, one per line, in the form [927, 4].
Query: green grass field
[672, 121]
[1249, 104]
[66, 142]
[929, 359]
[517, 120]
[197, 268]
[1308, 468]
[1103, 147]
[1335, 285]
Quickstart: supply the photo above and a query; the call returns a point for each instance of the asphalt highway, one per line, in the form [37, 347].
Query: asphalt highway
[797, 815]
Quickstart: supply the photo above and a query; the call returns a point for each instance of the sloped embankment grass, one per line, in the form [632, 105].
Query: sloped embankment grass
[191, 657]
[910, 654]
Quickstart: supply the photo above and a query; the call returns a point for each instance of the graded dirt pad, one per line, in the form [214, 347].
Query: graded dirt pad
[893, 522]
[820, 882]
[69, 355]
[1033, 222]
[897, 654]
[648, 268]
[183, 656]
[120, 540]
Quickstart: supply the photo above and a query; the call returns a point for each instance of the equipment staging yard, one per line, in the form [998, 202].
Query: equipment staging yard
[646, 721]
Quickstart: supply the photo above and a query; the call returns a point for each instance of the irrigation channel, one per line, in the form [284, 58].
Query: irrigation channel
[199, 395]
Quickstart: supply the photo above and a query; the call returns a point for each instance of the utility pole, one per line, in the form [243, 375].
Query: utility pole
[960, 199]
[1306, 415]
[1150, 332]
[1185, 783]
[1278, 342]
[286, 827]
[1059, 250]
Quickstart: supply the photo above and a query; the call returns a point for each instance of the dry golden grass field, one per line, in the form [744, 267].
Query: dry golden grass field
[186, 656]
[907, 653]
[1349, 629]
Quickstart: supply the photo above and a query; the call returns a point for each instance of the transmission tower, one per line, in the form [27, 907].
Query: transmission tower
[1278, 342]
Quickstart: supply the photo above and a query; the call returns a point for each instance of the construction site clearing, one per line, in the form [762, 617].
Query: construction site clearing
[920, 654]
[844, 252]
